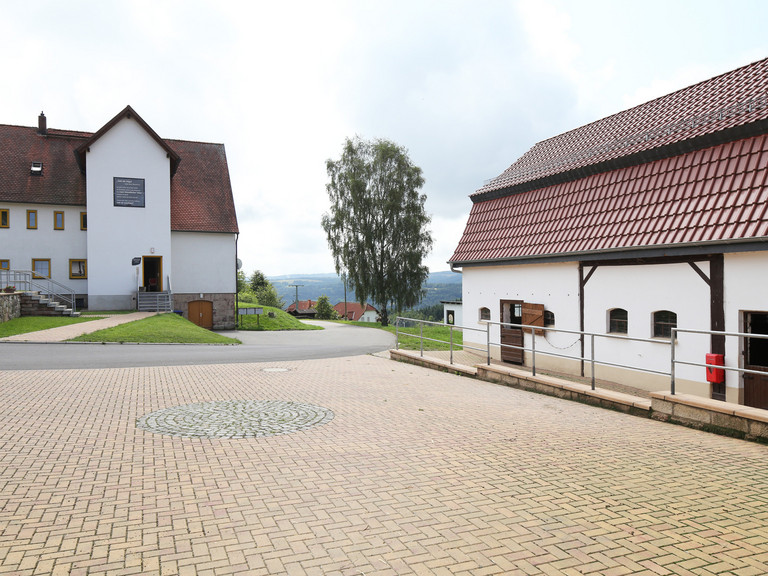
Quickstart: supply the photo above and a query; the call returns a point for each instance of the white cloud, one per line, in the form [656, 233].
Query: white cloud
[466, 86]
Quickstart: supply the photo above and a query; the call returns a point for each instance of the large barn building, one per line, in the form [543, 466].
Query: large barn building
[651, 219]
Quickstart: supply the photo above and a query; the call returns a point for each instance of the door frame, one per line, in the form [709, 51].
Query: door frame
[755, 386]
[157, 262]
[510, 335]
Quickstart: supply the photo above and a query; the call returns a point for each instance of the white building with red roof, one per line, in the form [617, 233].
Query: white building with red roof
[122, 217]
[653, 218]
[356, 312]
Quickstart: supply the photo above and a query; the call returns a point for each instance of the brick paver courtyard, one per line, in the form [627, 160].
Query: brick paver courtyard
[401, 470]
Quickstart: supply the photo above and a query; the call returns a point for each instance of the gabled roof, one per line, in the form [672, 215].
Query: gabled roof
[60, 182]
[354, 310]
[201, 191]
[648, 178]
[728, 107]
[304, 306]
[129, 113]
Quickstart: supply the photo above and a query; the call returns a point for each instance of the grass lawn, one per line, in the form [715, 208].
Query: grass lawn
[281, 321]
[161, 329]
[435, 332]
[27, 324]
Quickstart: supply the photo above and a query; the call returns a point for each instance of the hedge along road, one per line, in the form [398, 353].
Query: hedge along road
[337, 340]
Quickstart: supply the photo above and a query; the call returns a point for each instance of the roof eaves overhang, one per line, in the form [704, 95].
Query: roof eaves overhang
[635, 253]
[740, 132]
[129, 113]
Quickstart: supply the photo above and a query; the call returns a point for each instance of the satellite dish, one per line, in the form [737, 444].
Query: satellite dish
[239, 264]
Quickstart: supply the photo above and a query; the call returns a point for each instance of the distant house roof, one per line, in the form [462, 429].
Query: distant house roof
[305, 307]
[201, 191]
[686, 169]
[354, 311]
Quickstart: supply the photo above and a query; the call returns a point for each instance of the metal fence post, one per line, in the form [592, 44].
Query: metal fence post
[451, 333]
[488, 341]
[421, 339]
[533, 351]
[397, 333]
[672, 341]
[592, 357]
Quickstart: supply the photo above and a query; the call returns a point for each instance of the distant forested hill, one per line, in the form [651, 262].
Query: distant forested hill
[440, 286]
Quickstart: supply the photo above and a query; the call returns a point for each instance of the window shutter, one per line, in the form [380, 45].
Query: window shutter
[533, 315]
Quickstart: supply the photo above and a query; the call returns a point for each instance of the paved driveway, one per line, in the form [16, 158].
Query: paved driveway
[378, 468]
[335, 340]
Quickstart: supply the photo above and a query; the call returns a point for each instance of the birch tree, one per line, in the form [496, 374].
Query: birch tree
[377, 223]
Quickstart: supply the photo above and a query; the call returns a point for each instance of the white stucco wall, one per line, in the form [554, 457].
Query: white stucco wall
[746, 278]
[553, 285]
[641, 290]
[20, 245]
[116, 234]
[458, 313]
[203, 262]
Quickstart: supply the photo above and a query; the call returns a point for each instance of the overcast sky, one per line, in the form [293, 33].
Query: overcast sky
[465, 86]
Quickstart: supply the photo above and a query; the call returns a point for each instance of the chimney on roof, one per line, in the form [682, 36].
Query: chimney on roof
[42, 127]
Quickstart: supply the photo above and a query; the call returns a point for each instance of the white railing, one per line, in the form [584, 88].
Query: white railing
[28, 281]
[591, 357]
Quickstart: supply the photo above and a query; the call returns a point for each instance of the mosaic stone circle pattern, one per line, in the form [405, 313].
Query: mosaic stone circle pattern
[235, 419]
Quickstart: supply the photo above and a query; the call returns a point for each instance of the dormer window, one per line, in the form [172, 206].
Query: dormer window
[36, 169]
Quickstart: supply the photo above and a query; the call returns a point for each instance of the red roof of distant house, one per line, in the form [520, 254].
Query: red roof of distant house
[201, 191]
[353, 309]
[304, 306]
[640, 179]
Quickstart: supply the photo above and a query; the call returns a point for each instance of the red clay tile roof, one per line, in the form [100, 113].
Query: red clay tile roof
[354, 310]
[201, 191]
[699, 195]
[726, 102]
[60, 182]
[304, 306]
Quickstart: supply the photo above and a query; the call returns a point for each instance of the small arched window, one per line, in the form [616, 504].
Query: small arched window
[663, 322]
[485, 313]
[618, 321]
[549, 318]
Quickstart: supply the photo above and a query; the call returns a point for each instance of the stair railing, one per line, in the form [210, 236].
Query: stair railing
[28, 281]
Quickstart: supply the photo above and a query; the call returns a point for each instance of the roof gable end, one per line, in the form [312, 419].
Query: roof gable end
[126, 113]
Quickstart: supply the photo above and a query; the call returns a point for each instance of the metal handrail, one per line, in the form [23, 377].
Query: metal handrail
[671, 342]
[29, 282]
[532, 349]
[674, 361]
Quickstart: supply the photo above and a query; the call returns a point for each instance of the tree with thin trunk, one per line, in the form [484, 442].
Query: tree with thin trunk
[377, 224]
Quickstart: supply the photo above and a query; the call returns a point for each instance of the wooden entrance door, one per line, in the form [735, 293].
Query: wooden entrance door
[512, 313]
[756, 358]
[201, 313]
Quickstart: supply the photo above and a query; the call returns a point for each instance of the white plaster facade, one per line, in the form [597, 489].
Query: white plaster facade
[179, 223]
[639, 289]
[116, 234]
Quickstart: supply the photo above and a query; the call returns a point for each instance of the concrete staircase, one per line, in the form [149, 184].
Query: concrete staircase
[155, 301]
[36, 304]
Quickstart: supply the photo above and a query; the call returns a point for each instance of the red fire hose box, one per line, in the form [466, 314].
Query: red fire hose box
[715, 375]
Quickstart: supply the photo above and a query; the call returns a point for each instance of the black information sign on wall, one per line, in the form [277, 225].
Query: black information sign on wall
[129, 192]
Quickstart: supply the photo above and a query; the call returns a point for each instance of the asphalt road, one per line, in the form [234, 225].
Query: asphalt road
[335, 341]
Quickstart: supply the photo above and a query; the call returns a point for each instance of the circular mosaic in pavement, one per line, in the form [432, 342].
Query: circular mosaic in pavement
[235, 419]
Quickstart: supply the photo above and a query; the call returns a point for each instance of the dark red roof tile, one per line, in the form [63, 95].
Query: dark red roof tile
[201, 192]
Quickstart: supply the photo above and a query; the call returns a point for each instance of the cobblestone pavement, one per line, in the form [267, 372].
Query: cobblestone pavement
[417, 472]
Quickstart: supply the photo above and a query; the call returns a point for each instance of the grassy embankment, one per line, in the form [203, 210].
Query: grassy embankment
[27, 324]
[160, 329]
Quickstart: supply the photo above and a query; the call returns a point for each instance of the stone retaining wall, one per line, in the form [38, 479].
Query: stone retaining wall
[10, 306]
[223, 307]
